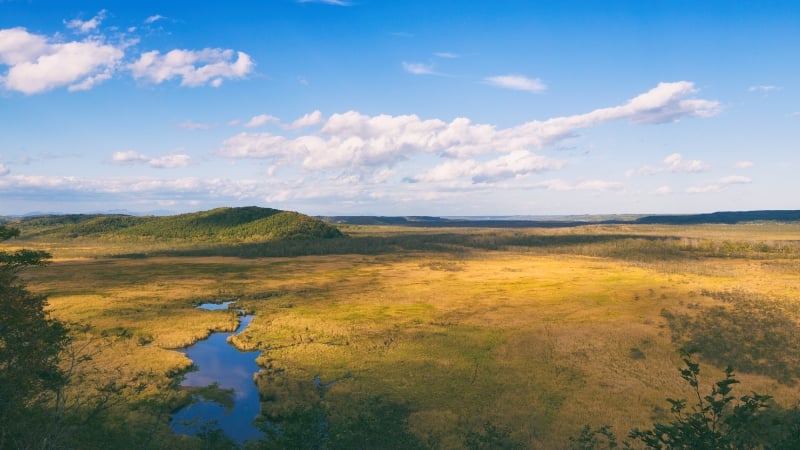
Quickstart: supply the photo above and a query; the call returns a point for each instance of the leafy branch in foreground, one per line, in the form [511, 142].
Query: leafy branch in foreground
[715, 421]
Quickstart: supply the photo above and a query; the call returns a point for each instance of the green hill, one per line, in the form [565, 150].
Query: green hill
[221, 224]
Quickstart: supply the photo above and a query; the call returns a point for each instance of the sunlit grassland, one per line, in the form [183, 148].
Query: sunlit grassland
[537, 331]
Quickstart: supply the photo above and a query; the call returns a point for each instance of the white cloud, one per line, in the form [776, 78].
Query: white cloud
[260, 120]
[418, 68]
[517, 82]
[354, 141]
[743, 164]
[513, 165]
[735, 179]
[308, 120]
[588, 185]
[446, 55]
[162, 162]
[4, 170]
[36, 65]
[673, 163]
[128, 157]
[154, 18]
[88, 25]
[763, 88]
[719, 185]
[663, 190]
[194, 68]
[170, 161]
[17, 46]
[676, 163]
[189, 125]
[254, 145]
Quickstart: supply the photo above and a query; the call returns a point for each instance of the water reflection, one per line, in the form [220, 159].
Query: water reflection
[216, 306]
[218, 362]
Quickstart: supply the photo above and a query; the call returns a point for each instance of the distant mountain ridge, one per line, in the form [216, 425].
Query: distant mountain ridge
[725, 217]
[254, 223]
[722, 217]
[241, 224]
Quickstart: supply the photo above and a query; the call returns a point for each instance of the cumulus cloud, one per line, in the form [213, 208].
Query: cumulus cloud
[674, 163]
[354, 141]
[514, 165]
[719, 185]
[517, 82]
[4, 170]
[37, 65]
[743, 164]
[194, 68]
[87, 26]
[128, 157]
[418, 68]
[260, 120]
[308, 120]
[131, 157]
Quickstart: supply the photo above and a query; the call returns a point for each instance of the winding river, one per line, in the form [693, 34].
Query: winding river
[219, 362]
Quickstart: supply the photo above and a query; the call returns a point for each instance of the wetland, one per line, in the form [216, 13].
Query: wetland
[426, 337]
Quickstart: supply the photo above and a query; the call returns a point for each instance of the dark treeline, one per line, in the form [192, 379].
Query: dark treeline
[731, 217]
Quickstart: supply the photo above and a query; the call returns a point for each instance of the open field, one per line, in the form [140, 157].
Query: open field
[537, 331]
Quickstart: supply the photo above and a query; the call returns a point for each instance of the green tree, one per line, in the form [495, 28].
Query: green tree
[715, 421]
[30, 344]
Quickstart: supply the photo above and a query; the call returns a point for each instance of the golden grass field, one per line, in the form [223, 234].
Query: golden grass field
[536, 339]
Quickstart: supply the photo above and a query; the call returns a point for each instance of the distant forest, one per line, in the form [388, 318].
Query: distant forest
[724, 217]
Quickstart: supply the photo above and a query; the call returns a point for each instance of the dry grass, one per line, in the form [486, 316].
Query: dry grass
[539, 340]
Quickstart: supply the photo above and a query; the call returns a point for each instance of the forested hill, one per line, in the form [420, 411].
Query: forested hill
[238, 224]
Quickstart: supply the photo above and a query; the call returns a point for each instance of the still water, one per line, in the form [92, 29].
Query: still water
[218, 362]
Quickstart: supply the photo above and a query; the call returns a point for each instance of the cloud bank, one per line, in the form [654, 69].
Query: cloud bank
[351, 139]
[351, 158]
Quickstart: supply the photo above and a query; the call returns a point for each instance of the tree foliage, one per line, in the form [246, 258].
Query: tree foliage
[716, 421]
[221, 224]
[30, 345]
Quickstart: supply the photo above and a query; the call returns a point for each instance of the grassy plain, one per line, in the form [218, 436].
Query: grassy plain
[536, 331]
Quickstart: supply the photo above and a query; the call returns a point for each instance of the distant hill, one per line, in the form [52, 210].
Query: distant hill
[725, 217]
[238, 224]
[730, 217]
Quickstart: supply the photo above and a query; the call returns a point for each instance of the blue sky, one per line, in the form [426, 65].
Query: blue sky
[386, 107]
